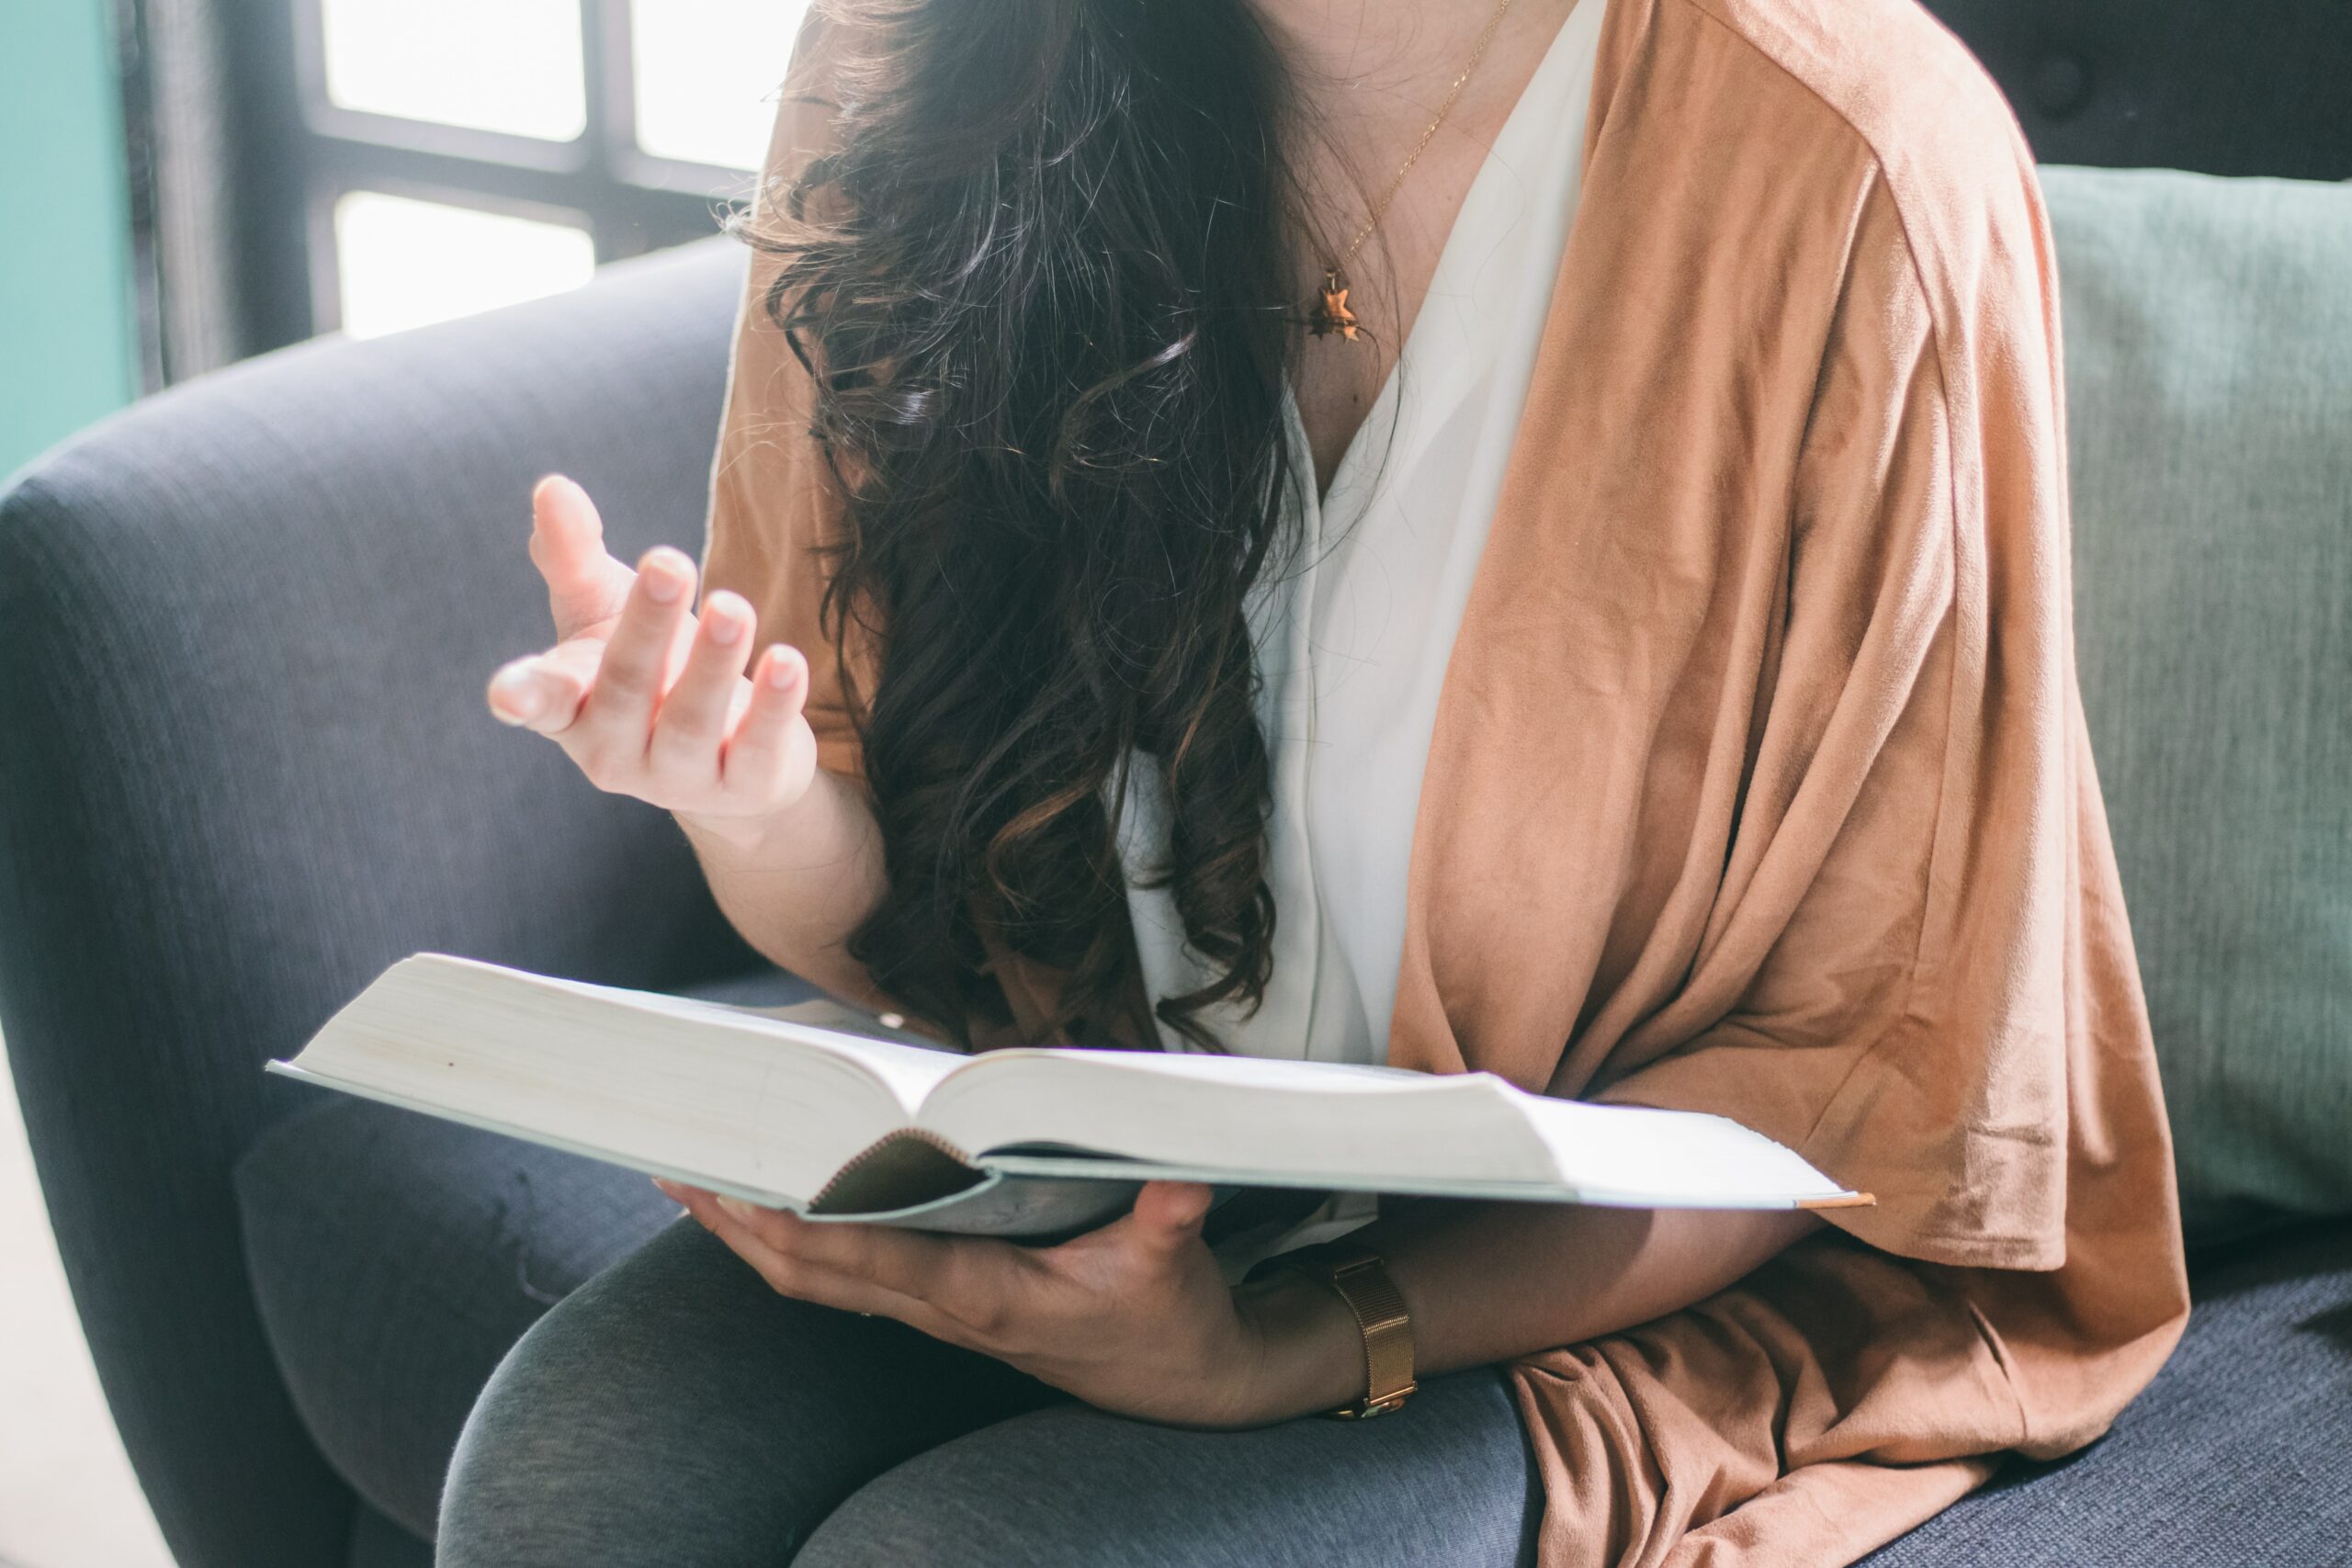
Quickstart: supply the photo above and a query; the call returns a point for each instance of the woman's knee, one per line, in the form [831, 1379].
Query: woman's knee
[675, 1411]
[605, 1435]
[1449, 1480]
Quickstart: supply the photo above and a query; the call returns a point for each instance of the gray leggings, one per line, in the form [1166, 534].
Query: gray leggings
[675, 1413]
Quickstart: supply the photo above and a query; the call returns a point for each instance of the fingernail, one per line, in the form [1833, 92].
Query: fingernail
[670, 1190]
[514, 695]
[740, 1211]
[780, 673]
[663, 582]
[726, 623]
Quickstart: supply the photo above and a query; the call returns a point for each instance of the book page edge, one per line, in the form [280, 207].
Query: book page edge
[342, 1085]
[840, 1044]
[1111, 1166]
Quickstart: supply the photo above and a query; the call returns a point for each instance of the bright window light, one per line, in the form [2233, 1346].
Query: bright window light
[505, 66]
[707, 72]
[403, 262]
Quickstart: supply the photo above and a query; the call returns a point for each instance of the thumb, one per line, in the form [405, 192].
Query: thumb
[1168, 1215]
[585, 585]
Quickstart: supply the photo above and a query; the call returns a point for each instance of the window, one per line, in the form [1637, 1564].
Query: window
[401, 162]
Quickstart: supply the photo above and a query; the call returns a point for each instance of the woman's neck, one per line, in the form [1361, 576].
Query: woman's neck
[1349, 44]
[1368, 76]
[1372, 70]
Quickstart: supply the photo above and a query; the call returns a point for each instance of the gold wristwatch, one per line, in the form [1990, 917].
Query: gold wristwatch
[1387, 1328]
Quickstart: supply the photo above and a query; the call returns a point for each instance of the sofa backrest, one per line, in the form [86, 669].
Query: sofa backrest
[2209, 362]
[244, 765]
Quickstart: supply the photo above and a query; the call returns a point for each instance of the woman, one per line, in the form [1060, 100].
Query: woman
[1527, 537]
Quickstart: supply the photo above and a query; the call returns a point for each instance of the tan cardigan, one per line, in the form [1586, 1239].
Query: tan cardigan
[1760, 783]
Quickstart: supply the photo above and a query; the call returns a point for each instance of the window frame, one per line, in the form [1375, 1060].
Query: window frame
[305, 152]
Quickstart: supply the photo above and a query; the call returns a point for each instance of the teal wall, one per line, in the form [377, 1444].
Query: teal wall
[66, 352]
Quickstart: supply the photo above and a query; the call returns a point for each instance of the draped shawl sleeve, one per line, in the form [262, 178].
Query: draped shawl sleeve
[1761, 786]
[773, 510]
[1893, 977]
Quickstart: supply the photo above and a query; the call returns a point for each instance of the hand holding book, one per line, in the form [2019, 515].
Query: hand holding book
[1133, 1317]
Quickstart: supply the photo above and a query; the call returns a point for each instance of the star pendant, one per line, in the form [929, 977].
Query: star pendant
[1333, 315]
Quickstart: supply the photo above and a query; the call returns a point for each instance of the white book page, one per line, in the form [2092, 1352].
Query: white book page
[1255, 1117]
[909, 1069]
[694, 1089]
[837, 1017]
[1371, 1129]
[1635, 1157]
[758, 1103]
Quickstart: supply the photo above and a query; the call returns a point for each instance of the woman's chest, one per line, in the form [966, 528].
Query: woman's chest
[1338, 378]
[1382, 189]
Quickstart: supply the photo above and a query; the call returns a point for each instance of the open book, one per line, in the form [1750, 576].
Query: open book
[818, 1109]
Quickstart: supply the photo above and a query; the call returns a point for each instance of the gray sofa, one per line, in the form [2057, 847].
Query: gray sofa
[243, 765]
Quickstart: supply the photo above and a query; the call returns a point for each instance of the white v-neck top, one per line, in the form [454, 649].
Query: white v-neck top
[1353, 641]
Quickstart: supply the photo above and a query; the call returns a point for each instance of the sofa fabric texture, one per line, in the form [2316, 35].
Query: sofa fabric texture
[2208, 326]
[463, 1238]
[2234, 1455]
[245, 765]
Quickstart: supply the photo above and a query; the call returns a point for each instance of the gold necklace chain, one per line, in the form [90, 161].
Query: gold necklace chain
[1332, 314]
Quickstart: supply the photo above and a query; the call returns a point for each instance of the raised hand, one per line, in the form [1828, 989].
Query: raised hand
[649, 698]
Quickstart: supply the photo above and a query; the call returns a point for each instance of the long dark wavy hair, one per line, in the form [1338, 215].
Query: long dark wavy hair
[1042, 285]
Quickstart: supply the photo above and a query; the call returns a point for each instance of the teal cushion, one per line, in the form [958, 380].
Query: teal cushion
[2209, 366]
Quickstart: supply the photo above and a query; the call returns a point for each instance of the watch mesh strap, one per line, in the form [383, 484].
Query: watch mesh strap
[1387, 1328]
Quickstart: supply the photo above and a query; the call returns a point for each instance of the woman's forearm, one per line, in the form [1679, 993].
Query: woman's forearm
[1488, 1283]
[797, 883]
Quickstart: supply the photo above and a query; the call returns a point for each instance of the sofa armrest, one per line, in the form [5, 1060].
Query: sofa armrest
[244, 765]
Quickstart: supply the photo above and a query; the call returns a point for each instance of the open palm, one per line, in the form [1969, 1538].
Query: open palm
[650, 698]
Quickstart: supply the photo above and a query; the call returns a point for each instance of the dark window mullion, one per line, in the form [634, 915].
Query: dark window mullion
[632, 168]
[437, 139]
[569, 195]
[271, 185]
[608, 57]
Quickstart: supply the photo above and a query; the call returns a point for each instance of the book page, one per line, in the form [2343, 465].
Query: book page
[772, 1108]
[905, 1063]
[1254, 1121]
[1259, 1119]
[1638, 1157]
[839, 1017]
[694, 1089]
